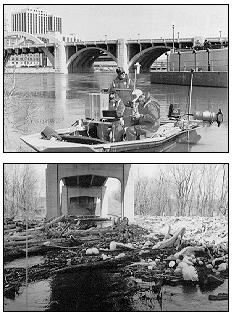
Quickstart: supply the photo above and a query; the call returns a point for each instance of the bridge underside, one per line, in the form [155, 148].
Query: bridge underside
[84, 61]
[146, 58]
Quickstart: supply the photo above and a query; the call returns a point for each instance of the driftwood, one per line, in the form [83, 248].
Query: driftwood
[23, 243]
[188, 251]
[36, 242]
[12, 230]
[47, 225]
[17, 238]
[9, 226]
[171, 241]
[90, 231]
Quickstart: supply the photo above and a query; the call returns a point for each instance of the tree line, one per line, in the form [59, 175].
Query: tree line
[183, 190]
[175, 189]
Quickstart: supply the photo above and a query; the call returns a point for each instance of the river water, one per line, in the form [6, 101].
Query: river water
[95, 290]
[57, 100]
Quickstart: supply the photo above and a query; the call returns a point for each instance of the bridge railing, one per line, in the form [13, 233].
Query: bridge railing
[27, 46]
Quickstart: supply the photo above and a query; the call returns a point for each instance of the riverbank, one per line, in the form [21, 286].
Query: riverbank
[200, 78]
[30, 70]
[48, 70]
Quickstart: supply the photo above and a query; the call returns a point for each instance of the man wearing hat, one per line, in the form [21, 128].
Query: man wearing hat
[145, 120]
[122, 86]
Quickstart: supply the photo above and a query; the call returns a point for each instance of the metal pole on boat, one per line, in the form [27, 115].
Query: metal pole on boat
[136, 71]
[190, 93]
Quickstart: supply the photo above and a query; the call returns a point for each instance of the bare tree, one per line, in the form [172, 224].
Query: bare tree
[19, 108]
[21, 191]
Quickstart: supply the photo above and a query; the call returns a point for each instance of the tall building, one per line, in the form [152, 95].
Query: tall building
[35, 21]
[5, 23]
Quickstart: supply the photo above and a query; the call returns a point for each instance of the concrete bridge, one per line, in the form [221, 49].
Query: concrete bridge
[77, 189]
[79, 56]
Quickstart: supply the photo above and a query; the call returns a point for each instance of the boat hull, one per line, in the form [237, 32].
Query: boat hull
[156, 144]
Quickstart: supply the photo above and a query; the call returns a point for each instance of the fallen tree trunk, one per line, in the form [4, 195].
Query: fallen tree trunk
[90, 231]
[47, 225]
[17, 238]
[36, 242]
[9, 226]
[187, 251]
[112, 263]
[12, 230]
[170, 242]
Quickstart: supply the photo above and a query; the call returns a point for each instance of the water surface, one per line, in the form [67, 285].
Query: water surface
[102, 290]
[58, 100]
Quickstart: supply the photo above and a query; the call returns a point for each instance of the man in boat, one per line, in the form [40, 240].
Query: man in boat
[146, 117]
[122, 86]
[115, 103]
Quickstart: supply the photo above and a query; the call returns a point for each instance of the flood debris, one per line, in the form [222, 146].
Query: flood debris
[218, 297]
[148, 258]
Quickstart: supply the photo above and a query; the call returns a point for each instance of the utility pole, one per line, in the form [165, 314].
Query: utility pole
[173, 37]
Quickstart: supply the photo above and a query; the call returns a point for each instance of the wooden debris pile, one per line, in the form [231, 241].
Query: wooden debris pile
[71, 243]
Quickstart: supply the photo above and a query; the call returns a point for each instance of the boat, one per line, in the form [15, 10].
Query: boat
[83, 137]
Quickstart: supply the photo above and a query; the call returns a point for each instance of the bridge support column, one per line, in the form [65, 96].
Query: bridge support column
[122, 56]
[127, 190]
[60, 58]
[52, 191]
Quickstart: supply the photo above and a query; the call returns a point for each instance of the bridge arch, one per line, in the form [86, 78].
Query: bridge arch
[36, 40]
[147, 56]
[28, 36]
[83, 60]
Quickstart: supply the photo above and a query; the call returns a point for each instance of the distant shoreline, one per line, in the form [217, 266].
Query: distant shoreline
[46, 70]
[43, 70]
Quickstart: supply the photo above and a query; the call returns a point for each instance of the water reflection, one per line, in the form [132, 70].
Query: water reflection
[35, 298]
[88, 291]
[58, 100]
[101, 290]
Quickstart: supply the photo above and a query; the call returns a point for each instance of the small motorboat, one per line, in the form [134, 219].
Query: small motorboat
[89, 135]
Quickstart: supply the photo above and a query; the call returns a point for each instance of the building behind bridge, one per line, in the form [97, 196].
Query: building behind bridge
[35, 21]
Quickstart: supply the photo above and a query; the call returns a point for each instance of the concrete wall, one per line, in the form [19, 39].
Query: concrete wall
[218, 59]
[206, 79]
[95, 192]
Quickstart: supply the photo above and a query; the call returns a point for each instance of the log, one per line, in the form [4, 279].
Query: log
[170, 242]
[12, 230]
[94, 265]
[35, 242]
[188, 251]
[17, 238]
[90, 231]
[47, 225]
[23, 243]
[10, 226]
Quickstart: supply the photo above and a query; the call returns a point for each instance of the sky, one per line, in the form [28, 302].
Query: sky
[149, 170]
[133, 21]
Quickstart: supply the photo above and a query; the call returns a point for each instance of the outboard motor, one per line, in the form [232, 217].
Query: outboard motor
[210, 117]
[173, 112]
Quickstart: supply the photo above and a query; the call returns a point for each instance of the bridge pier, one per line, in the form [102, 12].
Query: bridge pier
[122, 58]
[60, 58]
